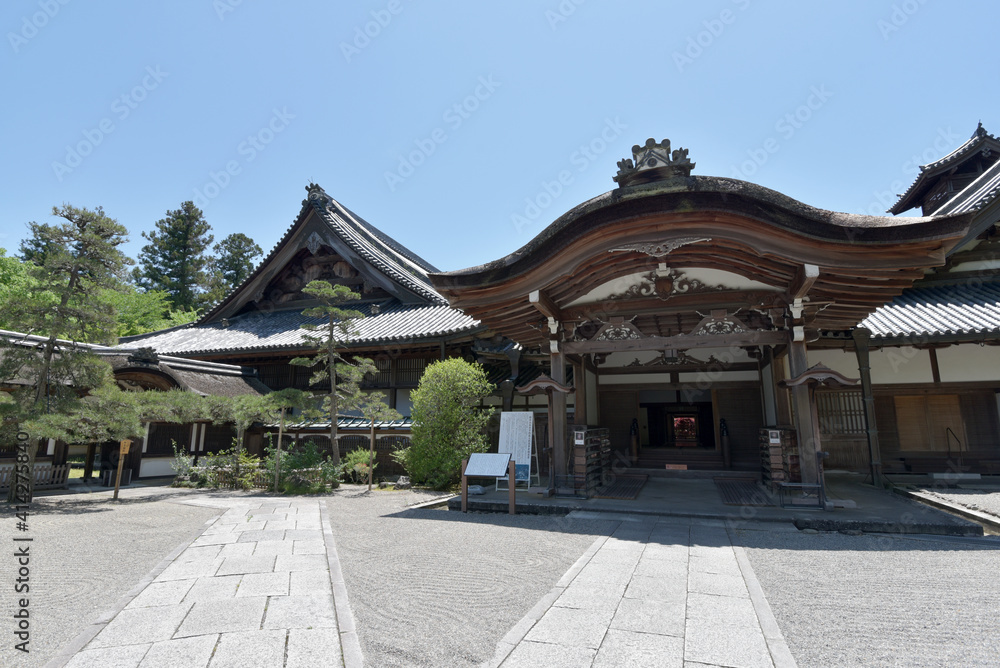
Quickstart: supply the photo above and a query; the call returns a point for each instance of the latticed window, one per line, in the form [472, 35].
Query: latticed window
[841, 413]
[409, 371]
[383, 377]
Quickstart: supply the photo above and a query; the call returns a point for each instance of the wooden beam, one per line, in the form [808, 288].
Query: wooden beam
[680, 342]
[541, 301]
[805, 277]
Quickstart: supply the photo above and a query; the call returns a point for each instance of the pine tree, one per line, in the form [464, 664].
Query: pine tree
[174, 259]
[81, 259]
[345, 376]
[232, 264]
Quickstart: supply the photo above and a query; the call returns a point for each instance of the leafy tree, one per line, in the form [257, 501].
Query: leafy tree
[15, 281]
[138, 311]
[80, 260]
[174, 259]
[232, 264]
[448, 424]
[343, 375]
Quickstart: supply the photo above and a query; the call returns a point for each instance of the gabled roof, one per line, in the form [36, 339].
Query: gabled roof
[324, 221]
[980, 140]
[283, 330]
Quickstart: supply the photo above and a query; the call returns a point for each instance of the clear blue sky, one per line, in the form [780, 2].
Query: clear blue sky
[134, 106]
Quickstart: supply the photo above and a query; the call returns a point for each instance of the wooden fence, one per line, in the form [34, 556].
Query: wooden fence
[46, 476]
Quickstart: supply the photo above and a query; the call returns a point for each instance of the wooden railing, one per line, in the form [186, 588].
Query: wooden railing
[46, 476]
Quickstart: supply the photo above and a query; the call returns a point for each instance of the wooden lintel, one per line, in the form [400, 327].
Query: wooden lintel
[541, 301]
[804, 279]
[679, 342]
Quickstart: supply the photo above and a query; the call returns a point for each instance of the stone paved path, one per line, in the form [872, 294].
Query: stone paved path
[260, 586]
[659, 592]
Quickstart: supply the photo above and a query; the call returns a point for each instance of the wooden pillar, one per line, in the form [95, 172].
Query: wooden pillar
[580, 398]
[507, 392]
[88, 466]
[805, 425]
[557, 412]
[862, 337]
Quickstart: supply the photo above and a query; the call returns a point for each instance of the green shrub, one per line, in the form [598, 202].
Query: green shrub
[182, 461]
[303, 458]
[356, 466]
[448, 424]
[233, 468]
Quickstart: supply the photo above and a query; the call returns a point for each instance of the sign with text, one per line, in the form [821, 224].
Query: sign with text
[516, 433]
[487, 465]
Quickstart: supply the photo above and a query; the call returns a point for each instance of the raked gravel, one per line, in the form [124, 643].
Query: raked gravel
[86, 552]
[985, 500]
[880, 600]
[439, 588]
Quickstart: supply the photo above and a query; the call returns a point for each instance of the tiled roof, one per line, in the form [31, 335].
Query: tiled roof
[196, 376]
[283, 330]
[976, 195]
[348, 423]
[387, 255]
[979, 138]
[379, 249]
[965, 308]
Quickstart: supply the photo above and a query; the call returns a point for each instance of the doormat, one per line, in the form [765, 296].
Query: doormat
[741, 492]
[624, 487]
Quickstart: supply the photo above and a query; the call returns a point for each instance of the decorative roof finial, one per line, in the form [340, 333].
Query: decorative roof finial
[980, 131]
[653, 162]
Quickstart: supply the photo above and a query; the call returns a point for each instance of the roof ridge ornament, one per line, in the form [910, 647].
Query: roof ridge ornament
[653, 162]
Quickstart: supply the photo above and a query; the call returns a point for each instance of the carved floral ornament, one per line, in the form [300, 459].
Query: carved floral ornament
[663, 283]
[661, 248]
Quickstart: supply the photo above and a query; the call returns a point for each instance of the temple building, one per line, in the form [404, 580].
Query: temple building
[683, 313]
[692, 311]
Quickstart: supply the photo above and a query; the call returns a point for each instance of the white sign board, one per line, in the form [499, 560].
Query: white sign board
[487, 465]
[516, 432]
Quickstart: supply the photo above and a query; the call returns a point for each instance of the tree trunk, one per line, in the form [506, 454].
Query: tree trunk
[277, 453]
[371, 456]
[335, 446]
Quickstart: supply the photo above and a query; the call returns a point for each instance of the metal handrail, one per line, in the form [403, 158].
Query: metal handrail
[957, 440]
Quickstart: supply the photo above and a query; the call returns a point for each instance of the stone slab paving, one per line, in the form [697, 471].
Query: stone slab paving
[260, 586]
[658, 592]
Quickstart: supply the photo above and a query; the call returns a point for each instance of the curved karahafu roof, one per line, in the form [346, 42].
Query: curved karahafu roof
[685, 221]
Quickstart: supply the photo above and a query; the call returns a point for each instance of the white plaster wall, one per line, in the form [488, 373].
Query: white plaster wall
[890, 366]
[155, 467]
[968, 362]
[403, 403]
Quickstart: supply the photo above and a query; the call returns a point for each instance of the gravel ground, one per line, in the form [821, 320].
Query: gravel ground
[983, 500]
[86, 552]
[438, 588]
[877, 600]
